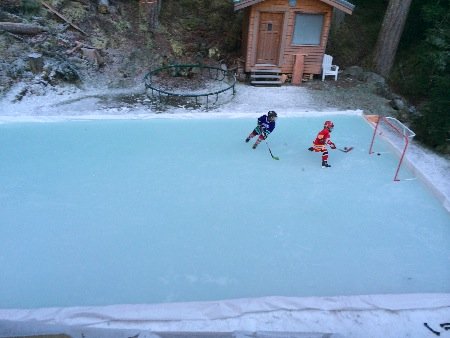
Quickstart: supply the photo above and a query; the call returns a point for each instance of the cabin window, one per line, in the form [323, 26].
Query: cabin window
[307, 29]
[269, 27]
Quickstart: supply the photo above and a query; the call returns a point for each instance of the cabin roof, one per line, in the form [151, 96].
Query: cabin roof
[342, 5]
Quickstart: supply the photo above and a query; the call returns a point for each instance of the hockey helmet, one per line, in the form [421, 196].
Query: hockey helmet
[272, 115]
[329, 125]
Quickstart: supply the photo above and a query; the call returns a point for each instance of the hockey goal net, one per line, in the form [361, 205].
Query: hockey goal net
[396, 133]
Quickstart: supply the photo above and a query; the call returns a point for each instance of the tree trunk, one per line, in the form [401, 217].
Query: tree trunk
[150, 12]
[21, 28]
[389, 36]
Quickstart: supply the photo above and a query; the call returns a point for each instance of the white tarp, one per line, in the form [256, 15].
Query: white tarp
[349, 316]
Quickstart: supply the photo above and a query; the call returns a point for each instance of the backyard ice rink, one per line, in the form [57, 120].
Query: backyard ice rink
[348, 230]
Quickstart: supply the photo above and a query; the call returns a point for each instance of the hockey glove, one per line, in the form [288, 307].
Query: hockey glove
[332, 145]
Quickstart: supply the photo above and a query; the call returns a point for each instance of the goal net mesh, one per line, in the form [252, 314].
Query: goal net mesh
[394, 132]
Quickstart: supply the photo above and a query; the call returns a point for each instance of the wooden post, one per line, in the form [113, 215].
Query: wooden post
[299, 66]
[36, 63]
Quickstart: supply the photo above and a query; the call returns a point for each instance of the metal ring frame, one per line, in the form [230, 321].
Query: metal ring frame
[215, 73]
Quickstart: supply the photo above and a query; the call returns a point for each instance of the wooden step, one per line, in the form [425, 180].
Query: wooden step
[265, 76]
[278, 83]
[271, 76]
[271, 70]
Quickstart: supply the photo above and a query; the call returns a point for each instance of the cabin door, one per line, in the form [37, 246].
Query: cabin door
[269, 37]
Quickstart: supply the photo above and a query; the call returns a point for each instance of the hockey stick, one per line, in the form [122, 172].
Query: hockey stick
[437, 333]
[445, 326]
[274, 157]
[346, 149]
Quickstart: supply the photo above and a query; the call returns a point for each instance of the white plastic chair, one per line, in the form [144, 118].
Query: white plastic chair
[328, 68]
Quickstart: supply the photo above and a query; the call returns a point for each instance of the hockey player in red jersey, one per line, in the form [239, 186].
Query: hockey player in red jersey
[322, 141]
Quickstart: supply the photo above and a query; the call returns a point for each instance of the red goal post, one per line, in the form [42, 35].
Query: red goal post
[396, 133]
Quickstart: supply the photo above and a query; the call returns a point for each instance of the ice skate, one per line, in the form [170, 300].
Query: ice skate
[325, 164]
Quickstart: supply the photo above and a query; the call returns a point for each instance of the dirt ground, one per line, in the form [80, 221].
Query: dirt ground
[348, 94]
[117, 50]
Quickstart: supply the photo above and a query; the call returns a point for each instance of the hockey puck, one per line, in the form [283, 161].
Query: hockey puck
[378, 154]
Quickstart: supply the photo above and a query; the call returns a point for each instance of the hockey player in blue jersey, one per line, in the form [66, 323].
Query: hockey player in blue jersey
[266, 124]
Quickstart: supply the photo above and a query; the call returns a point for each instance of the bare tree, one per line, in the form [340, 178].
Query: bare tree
[389, 36]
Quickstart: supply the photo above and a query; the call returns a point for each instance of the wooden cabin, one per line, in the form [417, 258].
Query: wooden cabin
[287, 36]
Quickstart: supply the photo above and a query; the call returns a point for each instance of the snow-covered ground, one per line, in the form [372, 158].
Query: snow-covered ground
[351, 316]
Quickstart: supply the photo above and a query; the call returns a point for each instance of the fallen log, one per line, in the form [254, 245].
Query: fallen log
[9, 17]
[84, 2]
[15, 36]
[89, 52]
[11, 4]
[78, 46]
[22, 28]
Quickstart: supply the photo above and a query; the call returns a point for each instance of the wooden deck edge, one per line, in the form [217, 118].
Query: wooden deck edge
[373, 119]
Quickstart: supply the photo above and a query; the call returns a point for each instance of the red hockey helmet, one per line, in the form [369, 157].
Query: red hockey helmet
[329, 125]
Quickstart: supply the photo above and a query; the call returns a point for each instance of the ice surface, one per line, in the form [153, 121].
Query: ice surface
[306, 223]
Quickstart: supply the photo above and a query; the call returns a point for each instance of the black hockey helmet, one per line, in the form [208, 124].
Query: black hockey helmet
[272, 115]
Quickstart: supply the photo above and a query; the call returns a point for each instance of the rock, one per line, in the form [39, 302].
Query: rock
[17, 69]
[64, 71]
[371, 78]
[214, 53]
[398, 104]
[355, 72]
[93, 56]
[412, 110]
[377, 84]
[383, 90]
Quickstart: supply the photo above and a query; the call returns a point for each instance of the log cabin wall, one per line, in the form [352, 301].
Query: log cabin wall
[245, 29]
[287, 51]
